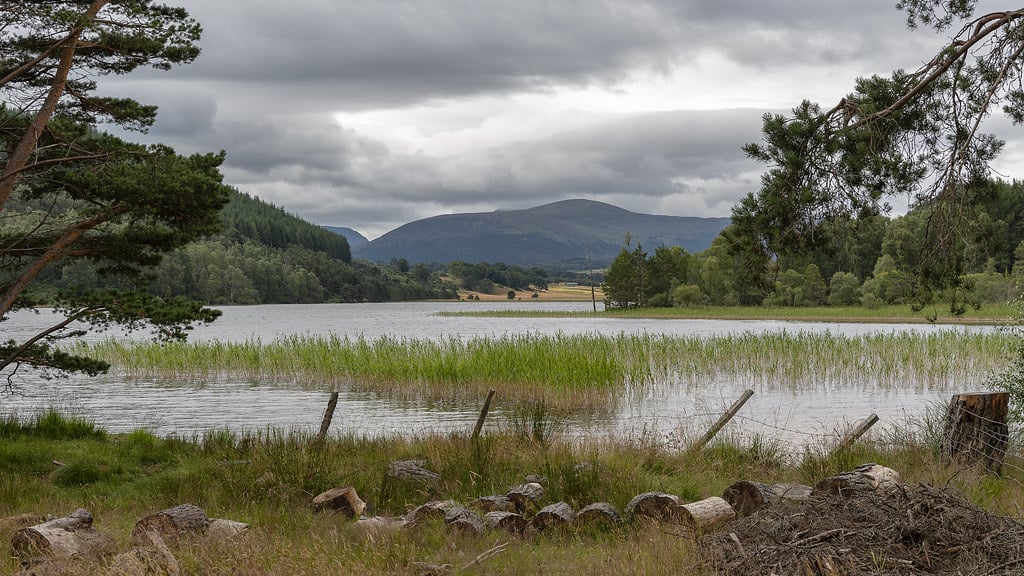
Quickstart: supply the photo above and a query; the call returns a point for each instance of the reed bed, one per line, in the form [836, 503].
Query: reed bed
[573, 373]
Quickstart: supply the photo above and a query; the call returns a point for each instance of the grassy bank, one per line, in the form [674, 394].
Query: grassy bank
[896, 313]
[53, 465]
[572, 373]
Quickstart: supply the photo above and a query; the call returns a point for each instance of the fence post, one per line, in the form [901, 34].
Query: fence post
[700, 443]
[976, 429]
[328, 416]
[483, 414]
[858, 431]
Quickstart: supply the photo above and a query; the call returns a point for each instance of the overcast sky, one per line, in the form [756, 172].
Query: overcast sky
[371, 114]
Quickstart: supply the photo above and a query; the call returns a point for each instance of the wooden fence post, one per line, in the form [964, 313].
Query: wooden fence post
[862, 427]
[483, 414]
[328, 416]
[700, 443]
[976, 429]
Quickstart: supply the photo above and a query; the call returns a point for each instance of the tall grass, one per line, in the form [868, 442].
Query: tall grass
[587, 372]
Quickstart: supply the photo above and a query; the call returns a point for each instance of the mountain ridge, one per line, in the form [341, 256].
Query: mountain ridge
[554, 234]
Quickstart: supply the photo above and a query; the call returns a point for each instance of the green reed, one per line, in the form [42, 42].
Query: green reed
[570, 372]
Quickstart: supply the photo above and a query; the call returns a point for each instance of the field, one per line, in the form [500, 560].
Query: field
[560, 292]
[54, 465]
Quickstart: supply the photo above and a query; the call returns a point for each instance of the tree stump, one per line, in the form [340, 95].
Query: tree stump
[171, 524]
[866, 478]
[63, 538]
[424, 512]
[747, 497]
[653, 505]
[703, 515]
[526, 496]
[493, 504]
[344, 500]
[508, 521]
[463, 521]
[598, 513]
[976, 429]
[554, 515]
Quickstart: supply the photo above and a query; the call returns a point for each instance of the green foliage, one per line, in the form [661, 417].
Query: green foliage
[482, 276]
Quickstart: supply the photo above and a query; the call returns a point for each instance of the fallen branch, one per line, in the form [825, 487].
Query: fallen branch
[479, 560]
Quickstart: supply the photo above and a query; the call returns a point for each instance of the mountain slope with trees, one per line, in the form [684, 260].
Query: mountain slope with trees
[552, 235]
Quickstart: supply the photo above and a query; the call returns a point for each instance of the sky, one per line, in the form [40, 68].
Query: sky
[372, 114]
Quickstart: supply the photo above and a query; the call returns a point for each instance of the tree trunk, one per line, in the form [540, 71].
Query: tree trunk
[63, 538]
[598, 513]
[866, 478]
[171, 524]
[747, 497]
[704, 515]
[508, 521]
[344, 500]
[976, 429]
[554, 515]
[424, 512]
[221, 529]
[493, 504]
[653, 505]
[526, 496]
[463, 521]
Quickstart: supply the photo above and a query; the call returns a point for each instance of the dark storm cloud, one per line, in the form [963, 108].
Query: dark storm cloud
[274, 74]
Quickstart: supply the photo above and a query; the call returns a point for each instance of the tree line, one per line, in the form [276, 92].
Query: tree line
[868, 261]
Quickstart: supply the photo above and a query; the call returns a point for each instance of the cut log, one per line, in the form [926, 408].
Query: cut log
[526, 496]
[378, 524]
[172, 524]
[747, 497]
[976, 430]
[704, 515]
[598, 513]
[63, 538]
[462, 520]
[866, 478]
[508, 521]
[413, 472]
[423, 513]
[344, 500]
[152, 557]
[493, 504]
[221, 529]
[554, 515]
[653, 505]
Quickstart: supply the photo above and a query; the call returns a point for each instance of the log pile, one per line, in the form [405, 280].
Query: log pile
[47, 547]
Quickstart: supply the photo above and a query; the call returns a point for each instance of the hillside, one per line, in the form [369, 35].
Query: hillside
[557, 234]
[354, 238]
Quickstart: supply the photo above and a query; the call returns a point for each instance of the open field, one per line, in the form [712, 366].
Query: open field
[554, 293]
[54, 465]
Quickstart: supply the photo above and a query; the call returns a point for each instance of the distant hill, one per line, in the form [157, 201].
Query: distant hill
[354, 238]
[556, 234]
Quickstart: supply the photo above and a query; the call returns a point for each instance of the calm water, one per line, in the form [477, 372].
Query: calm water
[796, 417]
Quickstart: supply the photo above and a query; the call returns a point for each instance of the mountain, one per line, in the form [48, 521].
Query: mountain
[556, 234]
[354, 238]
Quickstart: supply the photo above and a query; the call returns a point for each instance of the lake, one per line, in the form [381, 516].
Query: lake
[664, 413]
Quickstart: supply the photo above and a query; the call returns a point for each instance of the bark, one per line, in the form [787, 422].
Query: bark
[526, 496]
[653, 505]
[378, 524]
[63, 538]
[463, 521]
[412, 471]
[508, 521]
[554, 515]
[493, 504]
[424, 512]
[171, 524]
[747, 497]
[221, 529]
[344, 500]
[976, 430]
[864, 479]
[704, 515]
[598, 513]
